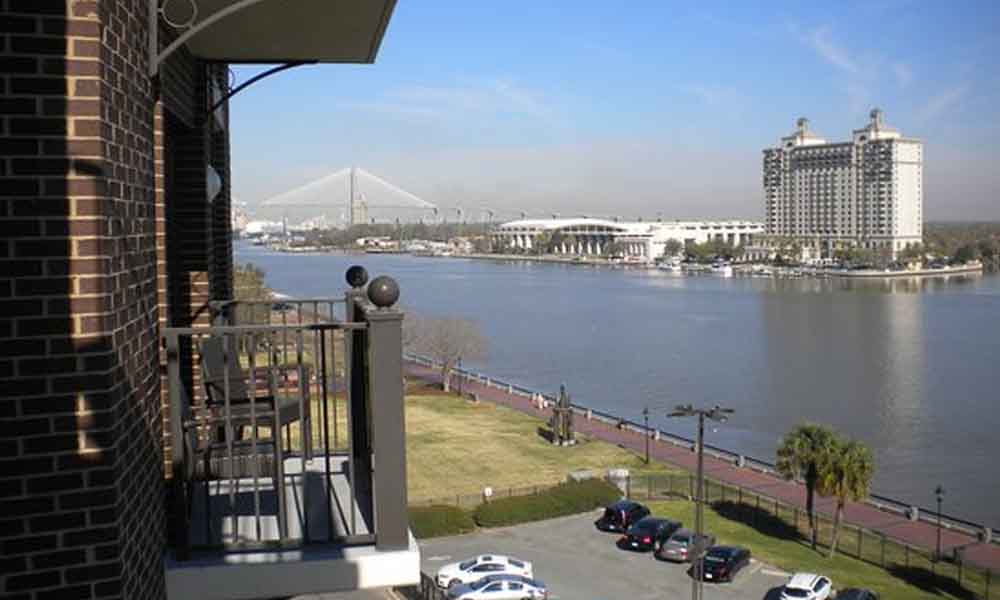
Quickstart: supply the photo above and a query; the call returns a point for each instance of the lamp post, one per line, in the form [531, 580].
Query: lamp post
[719, 414]
[939, 492]
[645, 433]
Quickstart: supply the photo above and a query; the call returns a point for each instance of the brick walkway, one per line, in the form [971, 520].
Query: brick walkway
[919, 533]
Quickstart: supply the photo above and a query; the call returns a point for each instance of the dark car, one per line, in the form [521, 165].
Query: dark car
[679, 547]
[648, 533]
[722, 563]
[620, 515]
[856, 594]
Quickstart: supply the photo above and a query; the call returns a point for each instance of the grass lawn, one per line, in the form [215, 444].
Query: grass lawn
[775, 542]
[455, 447]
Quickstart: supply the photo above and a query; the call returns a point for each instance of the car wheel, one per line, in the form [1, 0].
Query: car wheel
[454, 582]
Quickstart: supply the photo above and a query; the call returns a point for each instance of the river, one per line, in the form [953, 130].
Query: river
[908, 367]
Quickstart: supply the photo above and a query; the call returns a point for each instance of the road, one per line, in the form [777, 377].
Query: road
[577, 562]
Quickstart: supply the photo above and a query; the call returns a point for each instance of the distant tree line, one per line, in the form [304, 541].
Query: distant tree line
[962, 242]
[439, 232]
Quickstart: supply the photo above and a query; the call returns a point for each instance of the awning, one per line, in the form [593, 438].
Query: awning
[273, 31]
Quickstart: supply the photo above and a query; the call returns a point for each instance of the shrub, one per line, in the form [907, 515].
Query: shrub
[564, 499]
[439, 520]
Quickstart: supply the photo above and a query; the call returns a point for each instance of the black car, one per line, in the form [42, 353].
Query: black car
[648, 533]
[620, 515]
[856, 594]
[722, 563]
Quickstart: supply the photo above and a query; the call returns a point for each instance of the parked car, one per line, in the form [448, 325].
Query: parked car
[620, 515]
[856, 594]
[722, 563]
[480, 566]
[682, 542]
[807, 586]
[499, 587]
[648, 533]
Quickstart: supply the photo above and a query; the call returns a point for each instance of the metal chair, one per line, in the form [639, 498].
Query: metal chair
[223, 375]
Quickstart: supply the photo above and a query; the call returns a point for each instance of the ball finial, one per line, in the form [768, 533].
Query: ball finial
[357, 276]
[383, 291]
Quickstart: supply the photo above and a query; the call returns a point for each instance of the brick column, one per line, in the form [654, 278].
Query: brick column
[80, 479]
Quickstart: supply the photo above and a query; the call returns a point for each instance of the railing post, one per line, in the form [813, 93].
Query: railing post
[385, 363]
[178, 474]
[358, 405]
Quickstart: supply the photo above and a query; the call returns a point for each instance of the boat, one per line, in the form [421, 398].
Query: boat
[722, 269]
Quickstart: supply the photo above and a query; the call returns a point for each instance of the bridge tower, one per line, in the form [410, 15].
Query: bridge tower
[358, 204]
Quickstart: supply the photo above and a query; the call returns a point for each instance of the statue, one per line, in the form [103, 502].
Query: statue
[561, 422]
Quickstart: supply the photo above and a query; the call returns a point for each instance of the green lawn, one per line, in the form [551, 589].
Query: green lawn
[456, 447]
[775, 542]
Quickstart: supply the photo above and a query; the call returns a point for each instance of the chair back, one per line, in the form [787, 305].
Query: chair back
[217, 367]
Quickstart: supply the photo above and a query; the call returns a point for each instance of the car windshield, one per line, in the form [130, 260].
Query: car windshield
[478, 585]
[796, 593]
[681, 540]
[465, 566]
[715, 558]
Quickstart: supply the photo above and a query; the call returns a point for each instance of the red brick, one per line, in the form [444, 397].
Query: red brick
[87, 88]
[86, 48]
[38, 45]
[50, 86]
[58, 559]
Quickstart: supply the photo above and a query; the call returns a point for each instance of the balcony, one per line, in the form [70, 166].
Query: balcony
[288, 466]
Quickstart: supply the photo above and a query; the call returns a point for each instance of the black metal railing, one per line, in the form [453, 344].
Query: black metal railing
[273, 413]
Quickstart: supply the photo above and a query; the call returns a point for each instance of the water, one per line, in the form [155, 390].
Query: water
[908, 367]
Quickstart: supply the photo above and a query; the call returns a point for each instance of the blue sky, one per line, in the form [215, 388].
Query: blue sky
[630, 108]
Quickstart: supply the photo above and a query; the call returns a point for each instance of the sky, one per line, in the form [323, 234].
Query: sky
[630, 108]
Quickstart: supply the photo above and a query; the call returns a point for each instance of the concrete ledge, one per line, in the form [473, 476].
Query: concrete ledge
[281, 573]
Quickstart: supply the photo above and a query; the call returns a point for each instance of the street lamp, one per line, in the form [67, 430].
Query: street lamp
[716, 413]
[939, 492]
[645, 429]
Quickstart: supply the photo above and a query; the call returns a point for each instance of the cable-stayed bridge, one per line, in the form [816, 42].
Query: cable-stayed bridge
[360, 196]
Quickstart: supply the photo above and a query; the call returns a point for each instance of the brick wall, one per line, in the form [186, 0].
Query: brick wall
[85, 260]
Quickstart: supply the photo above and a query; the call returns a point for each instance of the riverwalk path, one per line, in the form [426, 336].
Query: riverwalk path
[914, 533]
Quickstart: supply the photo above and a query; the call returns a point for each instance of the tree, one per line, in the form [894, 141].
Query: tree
[672, 247]
[846, 474]
[249, 283]
[445, 340]
[614, 248]
[912, 252]
[801, 455]
[555, 242]
[965, 253]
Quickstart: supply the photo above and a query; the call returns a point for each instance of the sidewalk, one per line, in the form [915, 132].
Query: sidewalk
[920, 534]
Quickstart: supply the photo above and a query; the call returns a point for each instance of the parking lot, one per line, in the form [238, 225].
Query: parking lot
[577, 562]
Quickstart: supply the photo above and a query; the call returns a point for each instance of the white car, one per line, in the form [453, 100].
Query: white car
[807, 586]
[480, 566]
[499, 587]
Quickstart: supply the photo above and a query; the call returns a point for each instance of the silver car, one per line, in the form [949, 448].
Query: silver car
[500, 587]
[680, 546]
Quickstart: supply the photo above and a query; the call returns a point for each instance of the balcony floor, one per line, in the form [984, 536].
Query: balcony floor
[319, 566]
[232, 520]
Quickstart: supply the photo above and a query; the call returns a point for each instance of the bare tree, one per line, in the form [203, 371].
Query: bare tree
[445, 340]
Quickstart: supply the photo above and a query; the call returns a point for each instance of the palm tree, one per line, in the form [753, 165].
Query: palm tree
[846, 475]
[801, 455]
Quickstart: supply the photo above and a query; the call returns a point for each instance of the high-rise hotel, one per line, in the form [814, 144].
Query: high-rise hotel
[865, 192]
